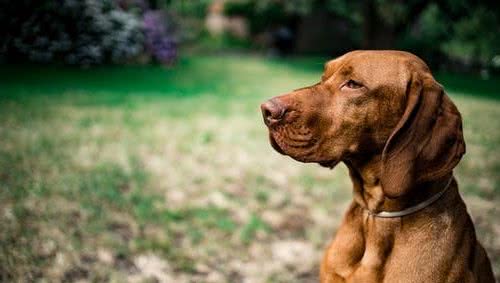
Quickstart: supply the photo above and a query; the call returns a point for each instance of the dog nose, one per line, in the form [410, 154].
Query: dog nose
[272, 111]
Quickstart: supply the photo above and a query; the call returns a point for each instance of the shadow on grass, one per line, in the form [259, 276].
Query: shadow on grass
[472, 85]
[189, 77]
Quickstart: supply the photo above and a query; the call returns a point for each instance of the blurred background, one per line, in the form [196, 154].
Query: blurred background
[132, 147]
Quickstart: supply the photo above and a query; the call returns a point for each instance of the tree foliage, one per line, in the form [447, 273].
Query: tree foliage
[83, 32]
[464, 30]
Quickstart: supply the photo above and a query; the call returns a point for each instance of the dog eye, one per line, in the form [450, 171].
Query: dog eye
[353, 84]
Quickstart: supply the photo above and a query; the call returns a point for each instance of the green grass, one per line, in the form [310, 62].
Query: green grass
[102, 168]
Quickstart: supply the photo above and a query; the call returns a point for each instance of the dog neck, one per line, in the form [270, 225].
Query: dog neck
[369, 194]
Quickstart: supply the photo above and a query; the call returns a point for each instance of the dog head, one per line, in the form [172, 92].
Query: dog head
[371, 103]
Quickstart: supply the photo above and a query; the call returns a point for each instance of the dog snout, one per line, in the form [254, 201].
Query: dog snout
[273, 111]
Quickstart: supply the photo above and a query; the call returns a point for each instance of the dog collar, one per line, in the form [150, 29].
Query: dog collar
[412, 209]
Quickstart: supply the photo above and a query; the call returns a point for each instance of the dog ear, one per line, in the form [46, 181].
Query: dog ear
[427, 143]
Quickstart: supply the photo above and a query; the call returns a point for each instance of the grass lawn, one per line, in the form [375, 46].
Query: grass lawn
[140, 173]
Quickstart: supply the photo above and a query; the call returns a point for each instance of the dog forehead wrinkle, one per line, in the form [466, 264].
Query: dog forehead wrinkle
[332, 70]
[380, 70]
[345, 71]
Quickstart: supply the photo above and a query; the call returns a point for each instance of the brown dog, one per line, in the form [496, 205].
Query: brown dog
[383, 115]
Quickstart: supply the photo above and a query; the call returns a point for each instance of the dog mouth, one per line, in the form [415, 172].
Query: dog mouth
[275, 145]
[295, 146]
[296, 143]
[329, 164]
[301, 147]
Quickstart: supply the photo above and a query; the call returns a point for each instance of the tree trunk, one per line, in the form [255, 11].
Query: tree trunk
[377, 34]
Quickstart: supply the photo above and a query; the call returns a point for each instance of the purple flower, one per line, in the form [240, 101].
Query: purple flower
[159, 38]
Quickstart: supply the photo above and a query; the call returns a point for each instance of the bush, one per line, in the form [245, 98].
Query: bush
[160, 42]
[83, 32]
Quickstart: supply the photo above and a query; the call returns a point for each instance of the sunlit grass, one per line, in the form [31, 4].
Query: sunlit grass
[101, 168]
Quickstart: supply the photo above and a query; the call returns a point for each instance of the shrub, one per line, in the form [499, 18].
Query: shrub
[82, 32]
[160, 41]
